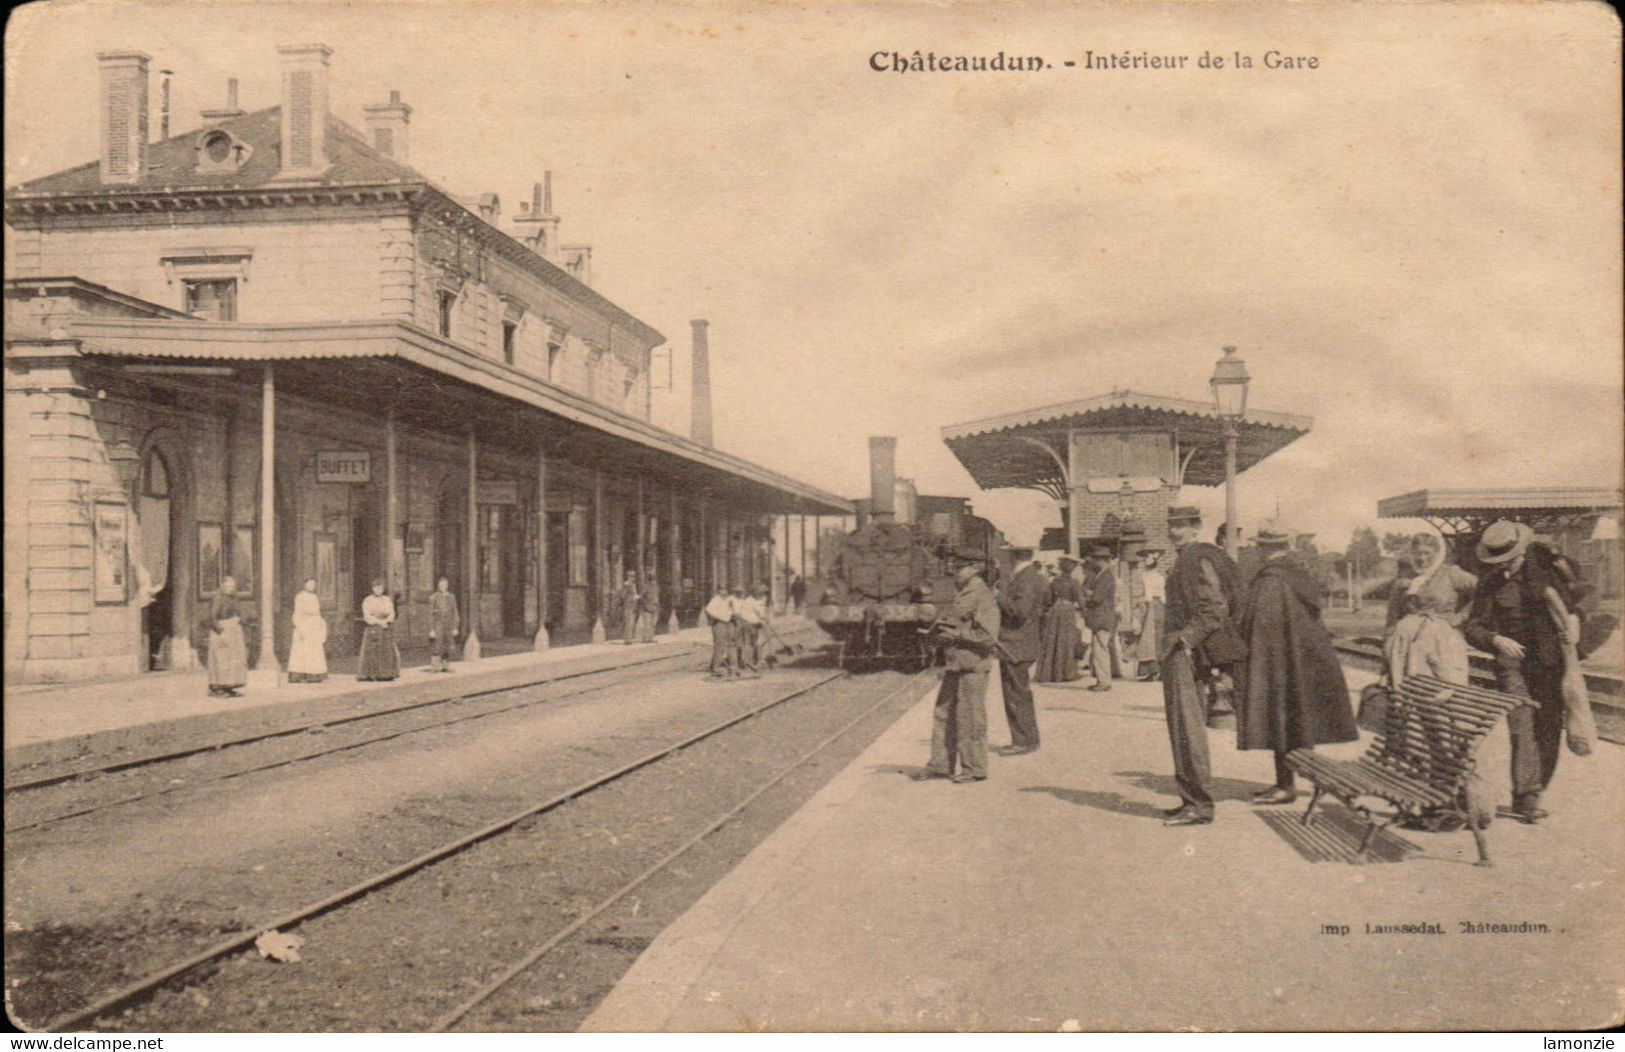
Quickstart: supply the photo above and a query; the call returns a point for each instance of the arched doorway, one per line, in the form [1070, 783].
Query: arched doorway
[161, 550]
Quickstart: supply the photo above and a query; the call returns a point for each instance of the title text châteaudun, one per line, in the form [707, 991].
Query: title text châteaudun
[931, 62]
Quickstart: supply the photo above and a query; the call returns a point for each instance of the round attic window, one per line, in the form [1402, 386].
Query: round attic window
[217, 147]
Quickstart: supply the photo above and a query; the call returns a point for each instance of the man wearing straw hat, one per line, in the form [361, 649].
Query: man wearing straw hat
[1512, 618]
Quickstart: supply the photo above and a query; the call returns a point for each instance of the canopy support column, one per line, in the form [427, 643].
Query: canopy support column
[541, 640]
[471, 557]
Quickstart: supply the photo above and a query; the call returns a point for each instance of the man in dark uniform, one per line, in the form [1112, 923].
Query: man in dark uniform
[1021, 611]
[1100, 614]
[1198, 633]
[1512, 617]
[959, 722]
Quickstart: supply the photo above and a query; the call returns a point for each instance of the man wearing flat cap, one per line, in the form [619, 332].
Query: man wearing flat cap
[1290, 693]
[968, 631]
[1520, 614]
[1197, 634]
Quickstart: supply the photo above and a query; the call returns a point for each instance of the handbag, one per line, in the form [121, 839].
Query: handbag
[1373, 712]
[1223, 646]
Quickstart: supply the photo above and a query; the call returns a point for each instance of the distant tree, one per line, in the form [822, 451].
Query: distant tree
[1395, 545]
[1364, 551]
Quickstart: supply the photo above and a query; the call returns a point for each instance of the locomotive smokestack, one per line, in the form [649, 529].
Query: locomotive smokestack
[700, 403]
[883, 479]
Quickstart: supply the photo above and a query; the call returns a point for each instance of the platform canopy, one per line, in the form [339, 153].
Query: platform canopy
[1030, 449]
[1470, 510]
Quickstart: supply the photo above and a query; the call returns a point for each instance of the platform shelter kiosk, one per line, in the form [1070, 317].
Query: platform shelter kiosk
[1115, 462]
[1580, 521]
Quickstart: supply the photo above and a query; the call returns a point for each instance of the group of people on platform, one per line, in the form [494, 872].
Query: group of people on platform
[739, 631]
[380, 657]
[640, 605]
[1203, 621]
[1103, 615]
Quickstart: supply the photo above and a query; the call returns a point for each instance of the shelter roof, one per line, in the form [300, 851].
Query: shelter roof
[1000, 452]
[437, 384]
[1492, 503]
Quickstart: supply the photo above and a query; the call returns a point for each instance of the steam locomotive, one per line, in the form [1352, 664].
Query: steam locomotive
[892, 572]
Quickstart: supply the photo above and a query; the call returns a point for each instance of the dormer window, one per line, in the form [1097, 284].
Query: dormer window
[219, 151]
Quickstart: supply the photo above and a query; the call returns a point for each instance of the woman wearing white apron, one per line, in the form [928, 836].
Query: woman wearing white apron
[307, 658]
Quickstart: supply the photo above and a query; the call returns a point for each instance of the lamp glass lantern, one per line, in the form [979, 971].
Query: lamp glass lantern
[1229, 384]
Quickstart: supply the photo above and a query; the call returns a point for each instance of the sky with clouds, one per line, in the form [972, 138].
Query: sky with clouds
[1416, 243]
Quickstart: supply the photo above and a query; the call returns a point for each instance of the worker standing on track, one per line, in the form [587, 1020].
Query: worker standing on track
[959, 722]
[720, 613]
[752, 615]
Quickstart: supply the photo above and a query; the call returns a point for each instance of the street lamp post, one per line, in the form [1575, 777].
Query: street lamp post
[1229, 384]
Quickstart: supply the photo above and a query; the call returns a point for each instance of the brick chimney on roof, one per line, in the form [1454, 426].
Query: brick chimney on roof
[304, 110]
[387, 123]
[700, 401]
[536, 225]
[124, 115]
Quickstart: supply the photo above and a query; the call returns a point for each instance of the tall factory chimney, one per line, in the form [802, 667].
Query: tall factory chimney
[883, 479]
[700, 403]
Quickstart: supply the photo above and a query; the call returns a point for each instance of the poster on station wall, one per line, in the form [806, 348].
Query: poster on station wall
[112, 553]
[210, 550]
[327, 569]
[578, 547]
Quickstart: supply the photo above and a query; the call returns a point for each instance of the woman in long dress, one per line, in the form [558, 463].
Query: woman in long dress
[228, 652]
[629, 609]
[445, 623]
[307, 656]
[1151, 615]
[380, 660]
[648, 609]
[1058, 633]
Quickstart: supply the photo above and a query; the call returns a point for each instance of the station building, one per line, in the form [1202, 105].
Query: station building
[270, 349]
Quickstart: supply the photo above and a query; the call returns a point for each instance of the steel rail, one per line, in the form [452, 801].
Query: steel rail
[151, 982]
[338, 721]
[509, 974]
[364, 742]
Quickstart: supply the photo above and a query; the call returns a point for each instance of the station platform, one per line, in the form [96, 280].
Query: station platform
[50, 724]
[1051, 897]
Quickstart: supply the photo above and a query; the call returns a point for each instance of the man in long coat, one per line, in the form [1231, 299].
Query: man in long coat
[1291, 694]
[1021, 610]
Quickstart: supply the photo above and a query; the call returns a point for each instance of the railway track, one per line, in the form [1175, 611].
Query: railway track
[360, 892]
[58, 776]
[534, 957]
[382, 726]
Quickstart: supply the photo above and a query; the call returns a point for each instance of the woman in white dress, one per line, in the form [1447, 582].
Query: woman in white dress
[307, 658]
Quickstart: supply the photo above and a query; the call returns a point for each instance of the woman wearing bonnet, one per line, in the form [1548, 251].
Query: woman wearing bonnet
[1425, 641]
[1448, 588]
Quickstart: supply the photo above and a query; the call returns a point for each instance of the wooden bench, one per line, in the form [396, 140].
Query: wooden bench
[1422, 761]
